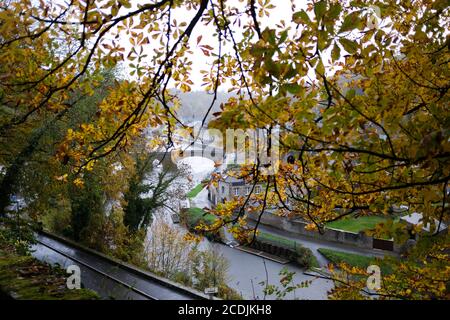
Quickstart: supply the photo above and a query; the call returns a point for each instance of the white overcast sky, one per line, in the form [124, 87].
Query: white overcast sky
[282, 11]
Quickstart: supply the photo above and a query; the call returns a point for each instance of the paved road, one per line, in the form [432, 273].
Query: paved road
[246, 271]
[106, 287]
[315, 244]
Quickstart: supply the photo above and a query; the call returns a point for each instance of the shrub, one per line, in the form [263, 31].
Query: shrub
[227, 293]
[305, 258]
[16, 234]
[192, 217]
[287, 248]
[183, 278]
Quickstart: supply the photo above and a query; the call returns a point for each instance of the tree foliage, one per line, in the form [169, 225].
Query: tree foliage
[146, 193]
[363, 104]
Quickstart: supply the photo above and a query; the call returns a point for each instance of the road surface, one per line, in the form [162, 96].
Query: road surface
[106, 287]
[315, 244]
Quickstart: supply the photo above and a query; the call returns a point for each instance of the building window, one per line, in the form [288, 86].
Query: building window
[247, 191]
[257, 189]
[223, 189]
[236, 191]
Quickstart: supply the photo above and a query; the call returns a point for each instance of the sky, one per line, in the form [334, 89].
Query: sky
[282, 11]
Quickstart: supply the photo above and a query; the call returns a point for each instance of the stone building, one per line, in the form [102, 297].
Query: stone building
[231, 187]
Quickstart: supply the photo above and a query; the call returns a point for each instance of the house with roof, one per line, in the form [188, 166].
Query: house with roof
[230, 187]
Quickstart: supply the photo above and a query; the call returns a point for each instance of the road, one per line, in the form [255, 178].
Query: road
[315, 244]
[201, 201]
[246, 271]
[106, 287]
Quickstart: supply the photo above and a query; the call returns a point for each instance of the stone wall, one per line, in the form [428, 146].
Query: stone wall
[295, 226]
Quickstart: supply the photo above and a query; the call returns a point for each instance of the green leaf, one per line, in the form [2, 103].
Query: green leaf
[320, 68]
[293, 88]
[269, 35]
[334, 11]
[349, 45]
[290, 73]
[125, 3]
[301, 17]
[336, 52]
[319, 9]
[114, 10]
[283, 36]
[350, 94]
[322, 39]
[272, 67]
[351, 22]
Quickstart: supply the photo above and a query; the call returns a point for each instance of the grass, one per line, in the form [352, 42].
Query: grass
[289, 244]
[277, 240]
[352, 259]
[356, 225]
[194, 192]
[195, 215]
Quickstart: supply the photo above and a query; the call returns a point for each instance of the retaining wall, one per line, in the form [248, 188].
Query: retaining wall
[295, 226]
